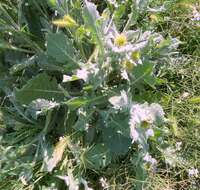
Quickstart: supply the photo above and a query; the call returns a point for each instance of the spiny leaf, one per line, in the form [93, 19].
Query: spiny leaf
[117, 143]
[21, 66]
[83, 101]
[42, 86]
[6, 45]
[91, 15]
[144, 73]
[60, 48]
[97, 157]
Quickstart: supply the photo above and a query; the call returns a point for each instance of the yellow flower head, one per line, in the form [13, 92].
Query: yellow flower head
[105, 15]
[120, 40]
[128, 65]
[66, 21]
[135, 56]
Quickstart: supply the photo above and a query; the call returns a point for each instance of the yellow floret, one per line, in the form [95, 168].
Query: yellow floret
[135, 56]
[120, 40]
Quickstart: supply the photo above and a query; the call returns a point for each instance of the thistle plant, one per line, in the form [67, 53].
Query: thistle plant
[77, 95]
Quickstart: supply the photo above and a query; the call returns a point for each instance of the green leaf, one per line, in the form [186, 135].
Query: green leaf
[76, 103]
[91, 15]
[144, 73]
[117, 132]
[119, 13]
[60, 48]
[120, 124]
[139, 167]
[21, 66]
[8, 46]
[117, 143]
[49, 64]
[33, 16]
[83, 120]
[42, 86]
[96, 157]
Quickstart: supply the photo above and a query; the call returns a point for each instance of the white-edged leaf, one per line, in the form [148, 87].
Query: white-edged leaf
[91, 15]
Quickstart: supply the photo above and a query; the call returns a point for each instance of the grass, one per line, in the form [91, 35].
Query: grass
[182, 88]
[180, 98]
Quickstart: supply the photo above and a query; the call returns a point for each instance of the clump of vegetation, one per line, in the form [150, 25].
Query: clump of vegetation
[99, 94]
